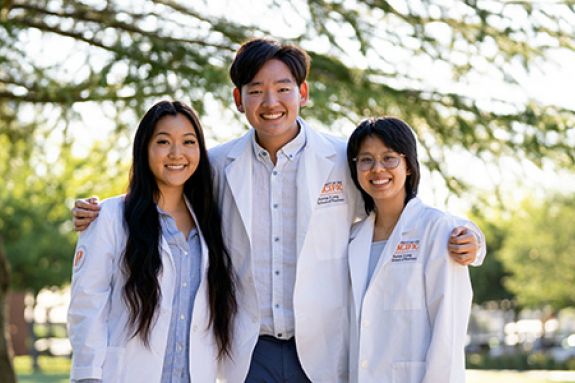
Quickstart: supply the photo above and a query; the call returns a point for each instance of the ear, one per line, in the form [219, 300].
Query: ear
[303, 93]
[238, 100]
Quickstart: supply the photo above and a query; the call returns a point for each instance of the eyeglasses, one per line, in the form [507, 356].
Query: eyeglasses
[367, 162]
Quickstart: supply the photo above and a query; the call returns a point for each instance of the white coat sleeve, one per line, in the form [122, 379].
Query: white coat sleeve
[90, 295]
[448, 297]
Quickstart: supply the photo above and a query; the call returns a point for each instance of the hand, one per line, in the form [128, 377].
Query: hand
[462, 245]
[84, 212]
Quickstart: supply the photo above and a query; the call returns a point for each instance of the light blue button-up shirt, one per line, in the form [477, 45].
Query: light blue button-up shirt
[186, 255]
[274, 232]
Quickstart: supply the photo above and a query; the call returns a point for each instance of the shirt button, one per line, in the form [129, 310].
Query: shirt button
[179, 347]
[185, 253]
[277, 272]
[277, 306]
[277, 239]
[275, 205]
[275, 173]
[185, 284]
[182, 317]
[364, 364]
[280, 335]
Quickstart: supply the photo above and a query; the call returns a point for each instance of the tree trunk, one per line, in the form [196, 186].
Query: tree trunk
[6, 368]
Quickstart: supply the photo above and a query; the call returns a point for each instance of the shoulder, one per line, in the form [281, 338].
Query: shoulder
[322, 138]
[436, 219]
[220, 153]
[112, 207]
[111, 214]
[108, 227]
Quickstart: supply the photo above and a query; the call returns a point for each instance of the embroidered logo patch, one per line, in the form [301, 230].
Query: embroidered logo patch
[79, 258]
[406, 251]
[332, 192]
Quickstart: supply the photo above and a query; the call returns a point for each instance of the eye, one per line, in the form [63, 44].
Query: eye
[190, 141]
[284, 90]
[162, 142]
[389, 158]
[365, 160]
[254, 92]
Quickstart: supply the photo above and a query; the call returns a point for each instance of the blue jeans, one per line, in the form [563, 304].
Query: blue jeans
[275, 361]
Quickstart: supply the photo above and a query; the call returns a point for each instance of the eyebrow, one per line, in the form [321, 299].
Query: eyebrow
[286, 80]
[386, 152]
[168, 134]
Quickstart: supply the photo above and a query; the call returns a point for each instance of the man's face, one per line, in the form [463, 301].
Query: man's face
[271, 103]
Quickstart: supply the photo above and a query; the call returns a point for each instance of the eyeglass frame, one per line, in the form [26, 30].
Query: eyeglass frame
[376, 160]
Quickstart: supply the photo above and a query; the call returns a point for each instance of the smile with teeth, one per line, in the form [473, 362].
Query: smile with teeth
[381, 182]
[272, 116]
[175, 167]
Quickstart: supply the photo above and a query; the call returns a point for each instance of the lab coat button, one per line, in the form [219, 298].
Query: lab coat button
[364, 364]
[365, 323]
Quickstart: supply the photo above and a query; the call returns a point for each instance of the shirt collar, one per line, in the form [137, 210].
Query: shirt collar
[289, 150]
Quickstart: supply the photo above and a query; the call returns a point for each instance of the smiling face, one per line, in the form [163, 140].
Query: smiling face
[173, 152]
[385, 186]
[271, 103]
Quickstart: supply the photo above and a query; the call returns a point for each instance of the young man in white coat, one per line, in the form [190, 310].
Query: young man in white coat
[287, 203]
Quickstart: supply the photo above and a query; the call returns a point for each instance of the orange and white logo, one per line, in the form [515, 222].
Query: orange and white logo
[79, 258]
[331, 192]
[406, 251]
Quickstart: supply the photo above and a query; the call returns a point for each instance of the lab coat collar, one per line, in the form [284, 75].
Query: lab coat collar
[239, 178]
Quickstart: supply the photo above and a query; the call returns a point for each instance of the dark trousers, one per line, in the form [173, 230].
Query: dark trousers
[275, 361]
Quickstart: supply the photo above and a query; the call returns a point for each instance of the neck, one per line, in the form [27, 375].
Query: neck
[386, 217]
[274, 144]
[171, 199]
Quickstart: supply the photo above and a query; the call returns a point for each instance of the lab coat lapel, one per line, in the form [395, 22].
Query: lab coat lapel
[203, 245]
[359, 252]
[404, 226]
[239, 178]
[314, 169]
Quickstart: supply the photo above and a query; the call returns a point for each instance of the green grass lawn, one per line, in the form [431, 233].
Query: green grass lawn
[55, 370]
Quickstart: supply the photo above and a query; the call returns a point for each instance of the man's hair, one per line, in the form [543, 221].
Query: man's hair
[253, 54]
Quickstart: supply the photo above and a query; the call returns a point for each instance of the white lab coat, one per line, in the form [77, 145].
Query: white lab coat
[321, 293]
[409, 324]
[98, 315]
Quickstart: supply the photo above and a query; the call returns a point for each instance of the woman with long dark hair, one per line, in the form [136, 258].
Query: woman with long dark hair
[152, 289]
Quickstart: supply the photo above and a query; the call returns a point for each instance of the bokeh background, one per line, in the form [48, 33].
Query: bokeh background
[486, 84]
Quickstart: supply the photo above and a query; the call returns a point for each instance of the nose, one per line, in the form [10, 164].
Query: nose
[269, 99]
[378, 165]
[175, 150]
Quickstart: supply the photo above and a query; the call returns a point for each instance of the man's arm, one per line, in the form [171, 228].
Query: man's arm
[84, 212]
[467, 244]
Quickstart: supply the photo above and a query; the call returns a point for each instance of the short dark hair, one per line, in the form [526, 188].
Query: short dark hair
[396, 135]
[253, 54]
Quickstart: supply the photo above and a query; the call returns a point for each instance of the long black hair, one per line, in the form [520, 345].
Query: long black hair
[142, 262]
[396, 135]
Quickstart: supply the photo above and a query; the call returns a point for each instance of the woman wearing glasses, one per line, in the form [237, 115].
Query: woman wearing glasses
[411, 301]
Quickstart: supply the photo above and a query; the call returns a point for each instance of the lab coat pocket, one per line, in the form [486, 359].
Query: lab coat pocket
[407, 372]
[402, 286]
[113, 368]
